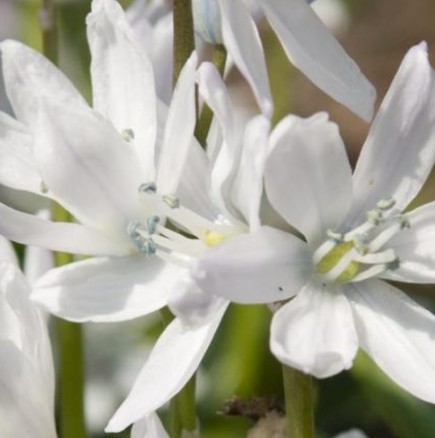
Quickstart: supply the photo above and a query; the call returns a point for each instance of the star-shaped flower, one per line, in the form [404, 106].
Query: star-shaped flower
[356, 234]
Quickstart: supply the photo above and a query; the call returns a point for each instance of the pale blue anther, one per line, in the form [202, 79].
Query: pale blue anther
[149, 187]
[144, 244]
[207, 19]
[152, 223]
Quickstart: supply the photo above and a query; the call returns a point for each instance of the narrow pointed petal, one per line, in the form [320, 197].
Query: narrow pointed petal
[26, 374]
[248, 186]
[107, 289]
[308, 176]
[59, 236]
[149, 427]
[315, 332]
[398, 334]
[159, 380]
[17, 165]
[243, 43]
[29, 76]
[415, 248]
[399, 151]
[83, 160]
[122, 79]
[179, 130]
[313, 49]
[262, 267]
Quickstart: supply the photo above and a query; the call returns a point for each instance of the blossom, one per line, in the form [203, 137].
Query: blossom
[228, 205]
[356, 235]
[307, 42]
[95, 163]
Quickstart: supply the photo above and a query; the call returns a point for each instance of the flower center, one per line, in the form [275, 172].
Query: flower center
[359, 254]
[175, 233]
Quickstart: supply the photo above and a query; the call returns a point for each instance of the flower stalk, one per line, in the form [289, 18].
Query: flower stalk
[184, 42]
[69, 335]
[298, 391]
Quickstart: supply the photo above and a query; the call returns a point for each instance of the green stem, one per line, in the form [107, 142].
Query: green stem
[298, 390]
[206, 116]
[48, 23]
[184, 42]
[70, 355]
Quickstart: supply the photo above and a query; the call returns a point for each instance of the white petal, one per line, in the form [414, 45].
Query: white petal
[243, 43]
[107, 289]
[315, 332]
[29, 76]
[84, 161]
[262, 267]
[191, 304]
[149, 427]
[159, 380]
[58, 236]
[7, 252]
[179, 129]
[398, 334]
[313, 49]
[399, 151]
[122, 79]
[17, 165]
[415, 248]
[308, 176]
[248, 185]
[27, 374]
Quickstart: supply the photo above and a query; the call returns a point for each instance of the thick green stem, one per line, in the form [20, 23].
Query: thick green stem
[70, 355]
[206, 117]
[184, 42]
[298, 390]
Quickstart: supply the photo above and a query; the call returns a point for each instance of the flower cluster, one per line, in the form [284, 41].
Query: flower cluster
[165, 223]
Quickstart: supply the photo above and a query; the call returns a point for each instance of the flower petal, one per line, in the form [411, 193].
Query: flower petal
[247, 190]
[308, 176]
[243, 43]
[398, 334]
[149, 426]
[107, 289]
[159, 380]
[122, 79]
[262, 267]
[415, 248]
[179, 130]
[315, 332]
[83, 160]
[58, 236]
[313, 49]
[17, 165]
[29, 76]
[399, 151]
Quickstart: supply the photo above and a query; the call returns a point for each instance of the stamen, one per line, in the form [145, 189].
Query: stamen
[387, 256]
[386, 204]
[128, 135]
[336, 237]
[148, 188]
[369, 273]
[171, 201]
[323, 249]
[152, 223]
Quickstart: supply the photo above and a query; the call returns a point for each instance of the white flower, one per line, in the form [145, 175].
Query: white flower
[356, 234]
[308, 44]
[227, 204]
[93, 163]
[26, 372]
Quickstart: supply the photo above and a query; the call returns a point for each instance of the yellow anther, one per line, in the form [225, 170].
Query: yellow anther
[212, 238]
[333, 257]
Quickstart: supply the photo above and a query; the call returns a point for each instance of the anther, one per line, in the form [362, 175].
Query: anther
[43, 188]
[374, 216]
[149, 187]
[386, 204]
[152, 223]
[336, 237]
[171, 200]
[394, 265]
[128, 135]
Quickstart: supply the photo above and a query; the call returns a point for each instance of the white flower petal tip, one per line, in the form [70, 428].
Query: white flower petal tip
[352, 433]
[315, 332]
